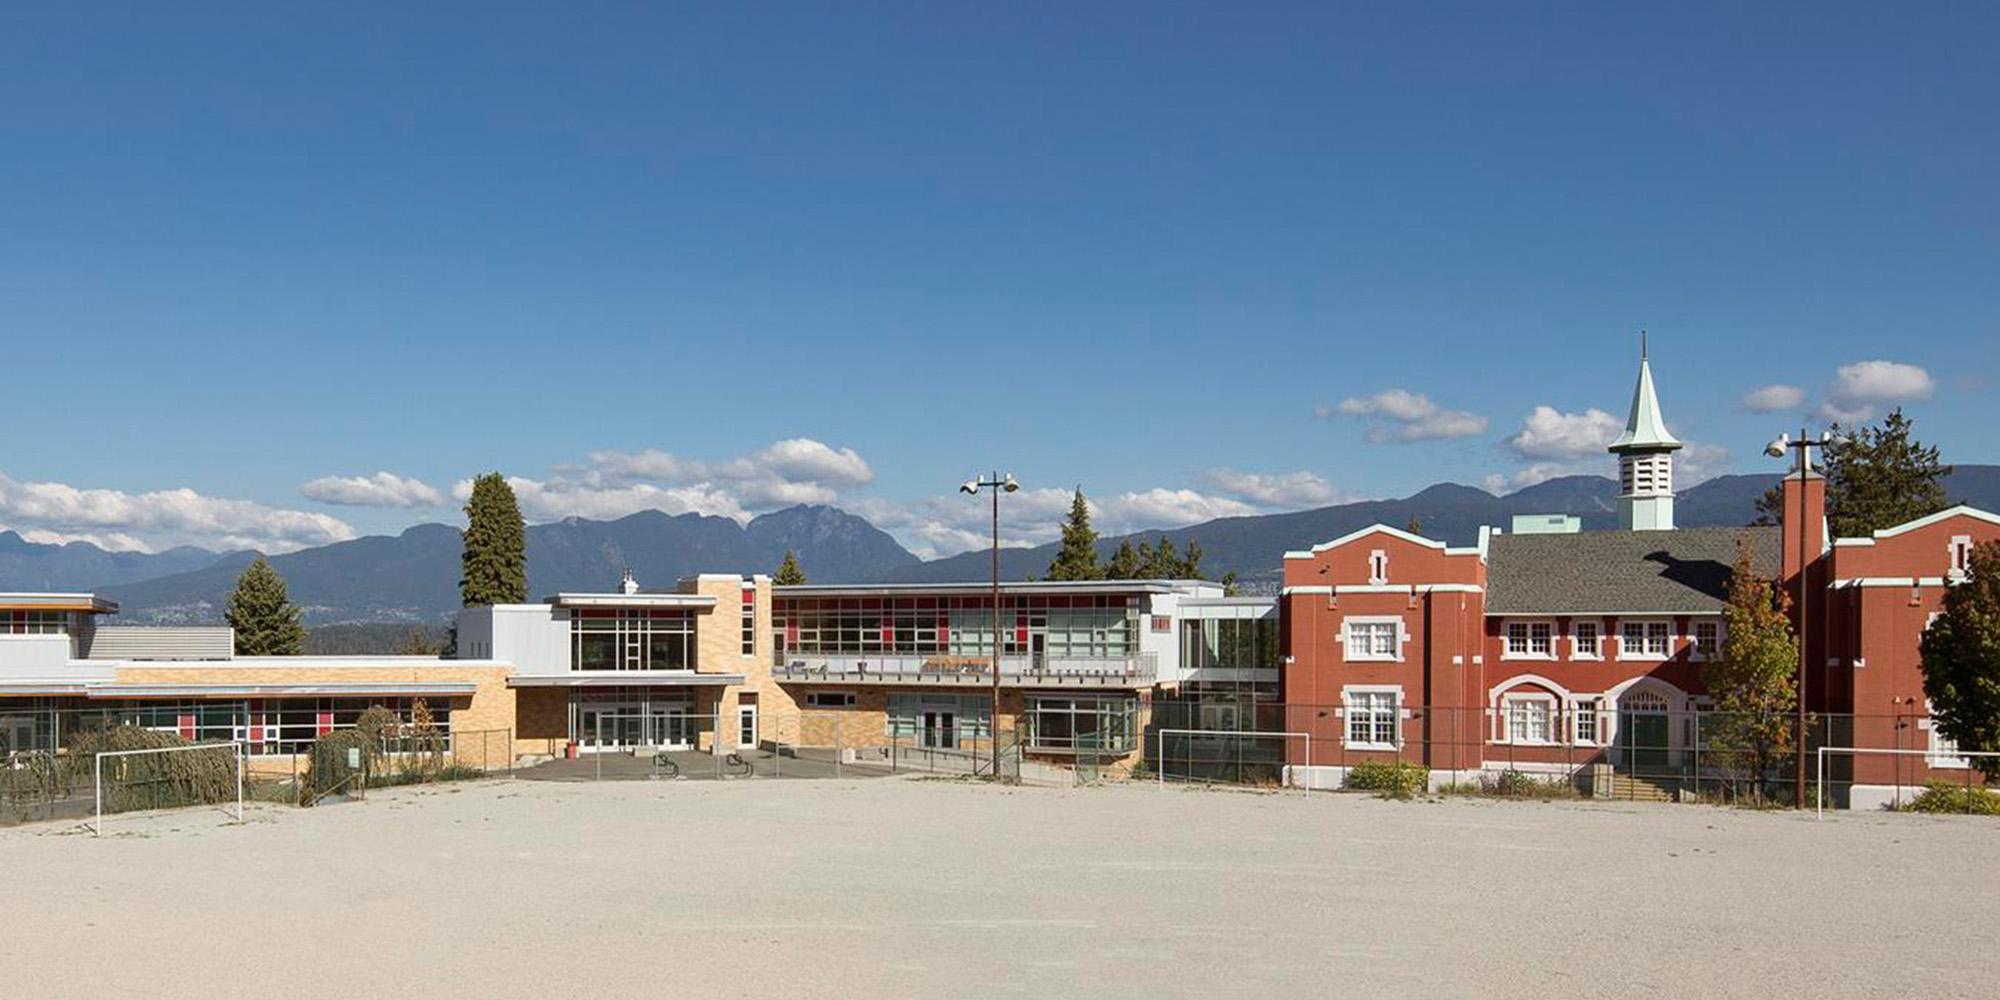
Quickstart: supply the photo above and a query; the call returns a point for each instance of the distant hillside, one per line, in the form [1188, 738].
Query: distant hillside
[1253, 547]
[413, 577]
[26, 565]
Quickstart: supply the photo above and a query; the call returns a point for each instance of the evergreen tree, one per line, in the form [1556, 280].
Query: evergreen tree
[789, 574]
[1160, 562]
[1077, 558]
[1229, 588]
[495, 564]
[1754, 680]
[1770, 506]
[1416, 525]
[1190, 568]
[1124, 563]
[263, 615]
[416, 643]
[1961, 660]
[1879, 477]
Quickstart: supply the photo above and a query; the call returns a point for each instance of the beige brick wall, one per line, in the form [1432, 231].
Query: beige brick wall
[719, 650]
[491, 706]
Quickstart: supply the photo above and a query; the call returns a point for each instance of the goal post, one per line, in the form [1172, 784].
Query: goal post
[134, 780]
[1819, 770]
[1160, 744]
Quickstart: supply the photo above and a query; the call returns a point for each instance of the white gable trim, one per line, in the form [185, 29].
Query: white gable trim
[1363, 533]
[1962, 510]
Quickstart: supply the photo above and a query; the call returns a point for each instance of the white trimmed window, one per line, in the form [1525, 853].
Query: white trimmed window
[1707, 640]
[1530, 641]
[1583, 723]
[1645, 640]
[1943, 750]
[1586, 641]
[1373, 638]
[1530, 718]
[1378, 567]
[1373, 717]
[1961, 557]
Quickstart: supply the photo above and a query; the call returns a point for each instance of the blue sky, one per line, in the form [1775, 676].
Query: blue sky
[1200, 259]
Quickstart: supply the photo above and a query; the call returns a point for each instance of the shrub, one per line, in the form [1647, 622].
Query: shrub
[1512, 784]
[1945, 797]
[152, 781]
[1392, 781]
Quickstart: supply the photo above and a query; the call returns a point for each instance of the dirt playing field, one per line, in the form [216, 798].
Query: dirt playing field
[933, 888]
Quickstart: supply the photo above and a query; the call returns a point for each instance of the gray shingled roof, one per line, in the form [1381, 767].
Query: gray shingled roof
[1620, 572]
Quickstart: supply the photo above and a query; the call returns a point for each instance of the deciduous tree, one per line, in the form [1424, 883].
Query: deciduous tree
[1961, 660]
[1754, 680]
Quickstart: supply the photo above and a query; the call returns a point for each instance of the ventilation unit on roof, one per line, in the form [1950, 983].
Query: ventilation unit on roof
[1547, 524]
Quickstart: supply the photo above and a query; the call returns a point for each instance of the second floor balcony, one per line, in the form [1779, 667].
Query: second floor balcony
[1018, 670]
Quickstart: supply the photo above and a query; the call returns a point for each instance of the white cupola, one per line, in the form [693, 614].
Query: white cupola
[1645, 459]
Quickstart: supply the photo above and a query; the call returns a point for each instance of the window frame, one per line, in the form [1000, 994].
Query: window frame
[1646, 626]
[1348, 644]
[1528, 626]
[1596, 627]
[1371, 716]
[1552, 718]
[1695, 651]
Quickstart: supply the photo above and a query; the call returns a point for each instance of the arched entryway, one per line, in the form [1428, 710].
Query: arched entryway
[1645, 731]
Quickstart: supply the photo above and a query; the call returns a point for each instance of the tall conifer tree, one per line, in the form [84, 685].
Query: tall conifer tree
[263, 615]
[1880, 477]
[789, 574]
[1077, 558]
[495, 564]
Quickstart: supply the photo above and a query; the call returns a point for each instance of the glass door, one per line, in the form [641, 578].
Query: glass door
[746, 726]
[940, 731]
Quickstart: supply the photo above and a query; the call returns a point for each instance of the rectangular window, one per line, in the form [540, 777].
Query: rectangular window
[1585, 641]
[1529, 720]
[1372, 719]
[749, 622]
[1374, 639]
[1707, 640]
[1586, 722]
[1082, 724]
[1645, 640]
[829, 699]
[1530, 641]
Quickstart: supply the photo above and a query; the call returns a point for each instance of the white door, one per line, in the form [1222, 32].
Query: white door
[746, 726]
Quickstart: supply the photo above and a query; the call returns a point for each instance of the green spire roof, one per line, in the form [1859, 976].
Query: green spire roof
[1645, 430]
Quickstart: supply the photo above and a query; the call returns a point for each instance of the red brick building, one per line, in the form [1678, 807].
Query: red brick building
[1579, 654]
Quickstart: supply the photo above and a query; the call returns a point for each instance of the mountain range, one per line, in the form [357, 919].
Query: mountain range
[413, 577]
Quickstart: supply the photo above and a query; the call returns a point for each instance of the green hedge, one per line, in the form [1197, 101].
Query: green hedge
[1945, 797]
[1391, 781]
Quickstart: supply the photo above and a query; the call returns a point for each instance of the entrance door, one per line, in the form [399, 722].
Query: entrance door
[940, 731]
[1645, 741]
[746, 726]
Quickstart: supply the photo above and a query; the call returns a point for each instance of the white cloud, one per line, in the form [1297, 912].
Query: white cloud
[1698, 463]
[1772, 398]
[1859, 390]
[163, 518]
[1289, 489]
[1550, 434]
[946, 525]
[553, 500]
[791, 471]
[114, 541]
[383, 489]
[1401, 416]
[1693, 464]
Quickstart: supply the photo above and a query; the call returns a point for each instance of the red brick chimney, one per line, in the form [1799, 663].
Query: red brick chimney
[1804, 512]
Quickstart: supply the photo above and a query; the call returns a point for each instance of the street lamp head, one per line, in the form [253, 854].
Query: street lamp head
[1009, 484]
[1777, 448]
[970, 486]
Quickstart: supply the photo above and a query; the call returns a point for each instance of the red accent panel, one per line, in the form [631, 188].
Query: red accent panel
[325, 723]
[187, 726]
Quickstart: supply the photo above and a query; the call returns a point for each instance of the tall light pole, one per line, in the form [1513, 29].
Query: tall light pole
[996, 484]
[1802, 448]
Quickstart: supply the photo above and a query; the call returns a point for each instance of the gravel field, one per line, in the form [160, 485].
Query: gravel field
[933, 888]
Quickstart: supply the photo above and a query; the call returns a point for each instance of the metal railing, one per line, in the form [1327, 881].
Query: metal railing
[1016, 670]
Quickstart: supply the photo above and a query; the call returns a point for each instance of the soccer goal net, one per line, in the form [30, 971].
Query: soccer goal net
[1959, 761]
[201, 774]
[1227, 756]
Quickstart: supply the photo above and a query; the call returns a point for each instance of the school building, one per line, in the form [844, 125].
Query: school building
[1551, 650]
